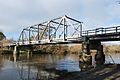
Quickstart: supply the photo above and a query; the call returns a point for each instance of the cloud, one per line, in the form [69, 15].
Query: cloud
[17, 14]
[99, 13]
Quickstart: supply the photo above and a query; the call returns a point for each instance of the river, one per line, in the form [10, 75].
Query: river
[41, 67]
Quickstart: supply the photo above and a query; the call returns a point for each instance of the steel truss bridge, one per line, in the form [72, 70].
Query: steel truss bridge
[64, 30]
[60, 30]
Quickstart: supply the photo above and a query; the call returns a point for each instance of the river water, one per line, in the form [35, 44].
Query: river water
[41, 67]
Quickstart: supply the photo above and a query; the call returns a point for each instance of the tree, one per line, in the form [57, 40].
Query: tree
[2, 36]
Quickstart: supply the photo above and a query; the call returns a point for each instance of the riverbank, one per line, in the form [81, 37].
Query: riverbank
[6, 52]
[104, 72]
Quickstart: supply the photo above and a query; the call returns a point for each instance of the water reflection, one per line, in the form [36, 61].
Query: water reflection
[69, 63]
[113, 58]
[1, 62]
[37, 67]
[41, 67]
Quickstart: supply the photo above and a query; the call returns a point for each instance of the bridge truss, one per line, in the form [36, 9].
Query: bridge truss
[62, 29]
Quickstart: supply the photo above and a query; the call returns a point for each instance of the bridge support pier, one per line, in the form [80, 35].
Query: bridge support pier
[86, 58]
[29, 51]
[99, 56]
[28, 54]
[15, 50]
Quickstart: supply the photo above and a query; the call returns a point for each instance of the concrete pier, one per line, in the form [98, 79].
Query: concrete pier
[99, 57]
[15, 50]
[85, 57]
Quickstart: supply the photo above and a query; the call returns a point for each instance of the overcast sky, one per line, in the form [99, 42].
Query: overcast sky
[16, 14]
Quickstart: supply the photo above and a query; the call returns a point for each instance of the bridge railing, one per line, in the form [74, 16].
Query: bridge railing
[99, 31]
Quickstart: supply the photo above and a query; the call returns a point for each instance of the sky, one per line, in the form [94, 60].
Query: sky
[17, 14]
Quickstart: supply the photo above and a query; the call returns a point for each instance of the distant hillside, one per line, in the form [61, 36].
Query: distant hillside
[2, 36]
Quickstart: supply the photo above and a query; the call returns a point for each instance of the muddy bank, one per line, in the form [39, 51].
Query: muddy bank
[104, 72]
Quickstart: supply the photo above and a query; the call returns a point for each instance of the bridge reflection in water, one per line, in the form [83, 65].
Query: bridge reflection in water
[38, 67]
[41, 67]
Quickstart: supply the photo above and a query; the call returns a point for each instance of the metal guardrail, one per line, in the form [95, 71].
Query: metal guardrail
[97, 31]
